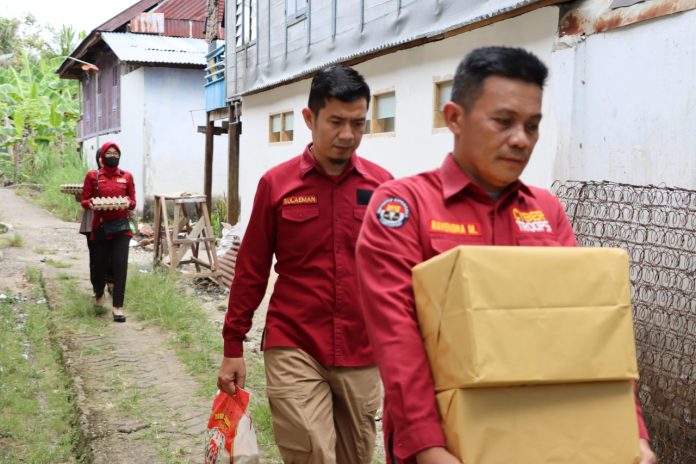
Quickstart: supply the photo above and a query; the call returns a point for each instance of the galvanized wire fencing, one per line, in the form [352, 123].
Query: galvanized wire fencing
[657, 226]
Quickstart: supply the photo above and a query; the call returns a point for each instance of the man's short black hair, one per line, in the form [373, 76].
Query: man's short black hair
[340, 82]
[480, 63]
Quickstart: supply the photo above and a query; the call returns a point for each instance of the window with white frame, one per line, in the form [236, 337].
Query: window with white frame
[442, 94]
[296, 8]
[245, 26]
[281, 127]
[383, 113]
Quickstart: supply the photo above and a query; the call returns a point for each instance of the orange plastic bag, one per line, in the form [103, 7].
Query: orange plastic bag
[231, 437]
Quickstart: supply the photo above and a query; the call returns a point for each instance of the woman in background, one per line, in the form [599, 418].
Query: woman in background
[111, 232]
[86, 230]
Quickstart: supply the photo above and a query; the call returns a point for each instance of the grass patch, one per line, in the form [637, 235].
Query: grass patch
[155, 297]
[77, 310]
[57, 264]
[44, 251]
[33, 275]
[15, 241]
[218, 215]
[52, 170]
[37, 416]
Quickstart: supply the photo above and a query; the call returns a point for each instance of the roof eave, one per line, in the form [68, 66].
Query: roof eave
[65, 70]
[351, 60]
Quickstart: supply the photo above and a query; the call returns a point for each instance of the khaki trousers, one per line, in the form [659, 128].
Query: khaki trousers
[321, 415]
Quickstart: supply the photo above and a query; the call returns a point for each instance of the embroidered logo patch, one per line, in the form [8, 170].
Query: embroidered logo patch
[393, 212]
[456, 228]
[300, 200]
[531, 221]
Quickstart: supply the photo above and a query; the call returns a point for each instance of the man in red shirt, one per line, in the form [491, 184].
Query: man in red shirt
[474, 198]
[322, 385]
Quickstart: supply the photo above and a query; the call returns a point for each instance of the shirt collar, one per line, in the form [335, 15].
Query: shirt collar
[454, 180]
[307, 163]
[110, 172]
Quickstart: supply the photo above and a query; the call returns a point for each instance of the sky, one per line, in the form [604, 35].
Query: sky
[82, 15]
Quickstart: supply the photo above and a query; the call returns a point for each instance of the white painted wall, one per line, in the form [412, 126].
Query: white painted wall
[415, 146]
[173, 151]
[161, 109]
[627, 104]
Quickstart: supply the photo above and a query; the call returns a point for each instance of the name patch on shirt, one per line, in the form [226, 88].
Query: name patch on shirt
[300, 200]
[455, 228]
[121, 180]
[531, 221]
[393, 212]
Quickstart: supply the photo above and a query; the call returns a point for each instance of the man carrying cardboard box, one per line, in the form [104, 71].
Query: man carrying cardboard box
[474, 198]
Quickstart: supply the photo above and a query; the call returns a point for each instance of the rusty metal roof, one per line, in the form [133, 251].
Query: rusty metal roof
[143, 48]
[593, 16]
[126, 15]
[183, 9]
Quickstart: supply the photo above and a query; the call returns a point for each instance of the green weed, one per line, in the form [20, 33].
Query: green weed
[77, 309]
[44, 251]
[51, 171]
[218, 215]
[15, 241]
[33, 275]
[57, 264]
[37, 416]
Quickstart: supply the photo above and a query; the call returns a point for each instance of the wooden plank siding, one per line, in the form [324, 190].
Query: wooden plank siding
[101, 97]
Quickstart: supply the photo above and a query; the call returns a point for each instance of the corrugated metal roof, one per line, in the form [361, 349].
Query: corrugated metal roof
[183, 9]
[462, 16]
[143, 48]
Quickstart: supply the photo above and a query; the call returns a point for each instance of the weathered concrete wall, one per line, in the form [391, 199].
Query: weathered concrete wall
[626, 104]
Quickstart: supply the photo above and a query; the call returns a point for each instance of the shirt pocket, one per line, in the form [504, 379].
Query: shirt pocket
[299, 214]
[359, 213]
[541, 240]
[440, 244]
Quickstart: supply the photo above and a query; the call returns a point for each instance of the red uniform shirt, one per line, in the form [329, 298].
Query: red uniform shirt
[113, 182]
[310, 221]
[409, 221]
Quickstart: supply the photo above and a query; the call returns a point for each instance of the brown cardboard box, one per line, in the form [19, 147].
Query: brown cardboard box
[495, 316]
[580, 423]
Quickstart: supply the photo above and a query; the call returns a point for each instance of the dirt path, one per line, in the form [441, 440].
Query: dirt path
[127, 367]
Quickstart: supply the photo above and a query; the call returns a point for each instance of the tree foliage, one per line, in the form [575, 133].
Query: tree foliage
[39, 110]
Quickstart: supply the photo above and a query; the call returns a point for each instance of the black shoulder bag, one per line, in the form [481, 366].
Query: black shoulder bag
[114, 226]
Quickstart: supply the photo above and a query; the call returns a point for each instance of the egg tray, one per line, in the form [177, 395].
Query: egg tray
[110, 203]
[71, 189]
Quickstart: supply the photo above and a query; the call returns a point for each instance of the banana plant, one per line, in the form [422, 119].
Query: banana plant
[40, 111]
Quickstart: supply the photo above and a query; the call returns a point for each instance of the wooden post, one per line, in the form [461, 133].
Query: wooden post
[158, 237]
[209, 141]
[235, 129]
